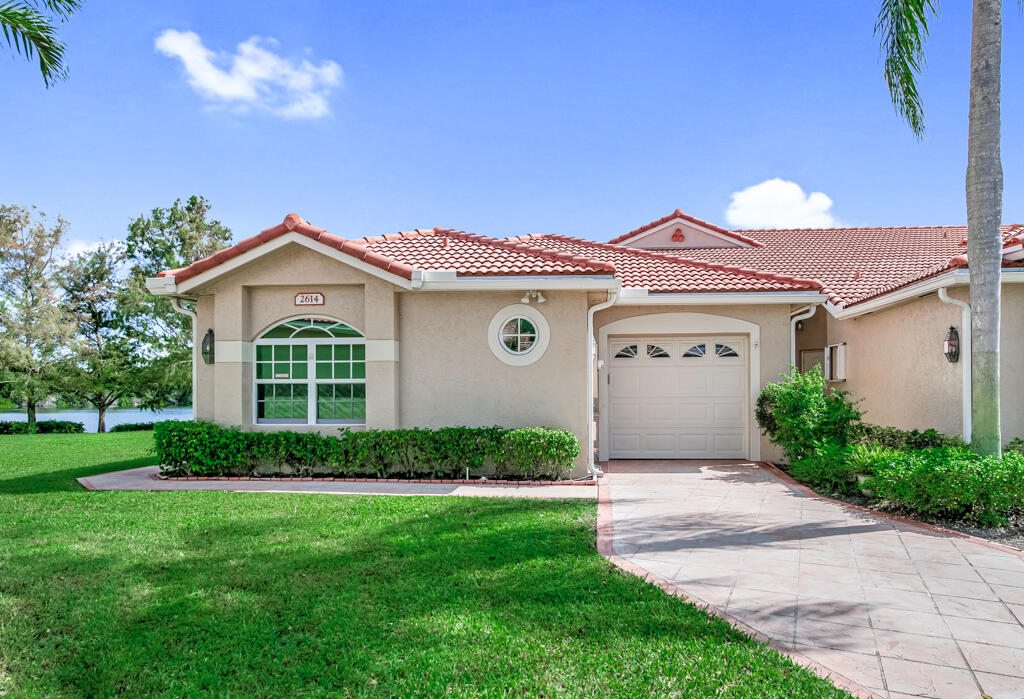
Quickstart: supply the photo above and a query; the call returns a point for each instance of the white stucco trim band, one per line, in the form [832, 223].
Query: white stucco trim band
[682, 323]
[638, 296]
[232, 351]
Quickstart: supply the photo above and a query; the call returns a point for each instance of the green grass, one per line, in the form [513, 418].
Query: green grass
[190, 593]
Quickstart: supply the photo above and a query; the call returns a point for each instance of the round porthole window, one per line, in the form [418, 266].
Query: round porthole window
[518, 334]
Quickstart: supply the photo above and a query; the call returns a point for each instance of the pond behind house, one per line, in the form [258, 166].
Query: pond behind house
[89, 418]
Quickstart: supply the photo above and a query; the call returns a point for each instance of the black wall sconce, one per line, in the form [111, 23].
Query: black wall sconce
[799, 326]
[951, 345]
[207, 348]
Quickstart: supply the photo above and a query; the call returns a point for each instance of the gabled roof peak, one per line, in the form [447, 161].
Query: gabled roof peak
[679, 214]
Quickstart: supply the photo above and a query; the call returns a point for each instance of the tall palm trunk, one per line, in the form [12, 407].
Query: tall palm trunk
[984, 215]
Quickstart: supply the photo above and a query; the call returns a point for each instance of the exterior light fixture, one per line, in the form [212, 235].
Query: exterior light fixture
[207, 347]
[951, 345]
[799, 326]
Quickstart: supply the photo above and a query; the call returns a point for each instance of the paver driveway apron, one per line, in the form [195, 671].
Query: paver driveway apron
[897, 609]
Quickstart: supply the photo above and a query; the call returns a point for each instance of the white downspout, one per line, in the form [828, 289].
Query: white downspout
[176, 305]
[792, 332]
[613, 295]
[965, 356]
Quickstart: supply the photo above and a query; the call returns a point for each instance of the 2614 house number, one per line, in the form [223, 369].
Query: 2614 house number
[309, 298]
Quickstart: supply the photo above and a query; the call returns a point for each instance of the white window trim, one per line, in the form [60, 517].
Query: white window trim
[311, 381]
[506, 314]
[837, 372]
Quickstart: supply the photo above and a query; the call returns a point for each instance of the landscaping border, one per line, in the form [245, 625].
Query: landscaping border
[331, 479]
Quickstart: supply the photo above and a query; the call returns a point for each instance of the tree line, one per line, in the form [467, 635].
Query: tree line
[83, 327]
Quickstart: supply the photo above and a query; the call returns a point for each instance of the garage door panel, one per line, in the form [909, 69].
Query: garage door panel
[679, 407]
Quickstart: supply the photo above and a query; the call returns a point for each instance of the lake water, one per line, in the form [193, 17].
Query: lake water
[89, 418]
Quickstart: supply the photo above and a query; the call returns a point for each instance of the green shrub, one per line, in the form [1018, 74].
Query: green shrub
[17, 428]
[132, 427]
[42, 427]
[801, 412]
[201, 448]
[895, 438]
[1015, 445]
[535, 452]
[952, 482]
[826, 468]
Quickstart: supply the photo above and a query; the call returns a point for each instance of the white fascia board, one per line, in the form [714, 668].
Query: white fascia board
[957, 277]
[634, 296]
[569, 282]
[682, 221]
[279, 242]
[161, 286]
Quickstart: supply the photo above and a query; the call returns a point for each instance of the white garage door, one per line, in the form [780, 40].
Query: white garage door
[677, 397]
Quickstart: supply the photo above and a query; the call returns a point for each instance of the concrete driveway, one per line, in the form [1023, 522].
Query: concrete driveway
[896, 609]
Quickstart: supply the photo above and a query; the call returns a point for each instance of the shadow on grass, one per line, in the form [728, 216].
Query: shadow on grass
[63, 480]
[238, 593]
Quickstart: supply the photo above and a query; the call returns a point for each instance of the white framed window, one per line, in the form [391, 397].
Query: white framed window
[310, 371]
[835, 362]
[518, 335]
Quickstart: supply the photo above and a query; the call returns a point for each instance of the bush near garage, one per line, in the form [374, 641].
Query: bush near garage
[201, 448]
[42, 427]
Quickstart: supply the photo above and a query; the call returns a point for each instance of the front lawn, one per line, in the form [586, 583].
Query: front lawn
[263, 594]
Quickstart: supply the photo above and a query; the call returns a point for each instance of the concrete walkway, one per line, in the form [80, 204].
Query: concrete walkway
[897, 609]
[145, 478]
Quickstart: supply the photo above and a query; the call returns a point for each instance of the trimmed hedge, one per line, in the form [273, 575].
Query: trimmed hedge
[42, 427]
[202, 448]
[895, 438]
[951, 482]
[132, 427]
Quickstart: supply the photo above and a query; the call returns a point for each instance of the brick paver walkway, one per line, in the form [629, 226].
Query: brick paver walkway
[897, 609]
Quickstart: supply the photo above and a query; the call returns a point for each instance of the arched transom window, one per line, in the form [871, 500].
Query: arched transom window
[310, 371]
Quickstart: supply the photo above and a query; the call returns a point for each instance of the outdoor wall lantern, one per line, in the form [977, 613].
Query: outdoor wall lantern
[207, 348]
[951, 345]
[799, 326]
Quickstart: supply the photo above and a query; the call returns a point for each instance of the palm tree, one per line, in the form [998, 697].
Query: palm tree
[903, 26]
[28, 28]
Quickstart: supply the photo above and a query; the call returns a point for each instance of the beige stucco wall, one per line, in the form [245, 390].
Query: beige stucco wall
[446, 373]
[773, 321]
[895, 365]
[449, 376]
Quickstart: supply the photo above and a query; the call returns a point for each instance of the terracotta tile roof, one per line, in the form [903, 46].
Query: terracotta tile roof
[663, 272]
[401, 253]
[735, 235]
[476, 255]
[854, 264]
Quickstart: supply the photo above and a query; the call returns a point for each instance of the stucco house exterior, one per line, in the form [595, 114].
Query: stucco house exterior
[653, 345]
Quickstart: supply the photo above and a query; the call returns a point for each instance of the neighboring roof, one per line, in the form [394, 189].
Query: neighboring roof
[855, 264]
[663, 272]
[678, 214]
[401, 253]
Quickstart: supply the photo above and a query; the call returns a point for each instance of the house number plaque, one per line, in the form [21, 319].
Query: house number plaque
[309, 298]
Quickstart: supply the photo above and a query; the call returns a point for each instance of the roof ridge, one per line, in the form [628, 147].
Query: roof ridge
[699, 264]
[518, 246]
[678, 213]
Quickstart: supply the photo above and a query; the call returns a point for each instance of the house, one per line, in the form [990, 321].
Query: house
[653, 345]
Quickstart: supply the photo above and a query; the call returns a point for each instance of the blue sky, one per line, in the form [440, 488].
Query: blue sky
[584, 118]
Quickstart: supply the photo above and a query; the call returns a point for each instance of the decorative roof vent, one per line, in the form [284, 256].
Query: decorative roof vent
[678, 236]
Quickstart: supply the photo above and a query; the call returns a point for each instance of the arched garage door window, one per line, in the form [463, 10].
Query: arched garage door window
[310, 371]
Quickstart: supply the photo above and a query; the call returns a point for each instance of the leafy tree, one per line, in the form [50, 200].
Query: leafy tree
[903, 26]
[32, 325]
[103, 365]
[29, 29]
[168, 239]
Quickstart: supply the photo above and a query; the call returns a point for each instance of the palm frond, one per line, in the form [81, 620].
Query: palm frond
[903, 28]
[30, 32]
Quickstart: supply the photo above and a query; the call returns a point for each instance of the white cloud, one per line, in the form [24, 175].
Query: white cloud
[779, 203]
[254, 76]
[73, 248]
